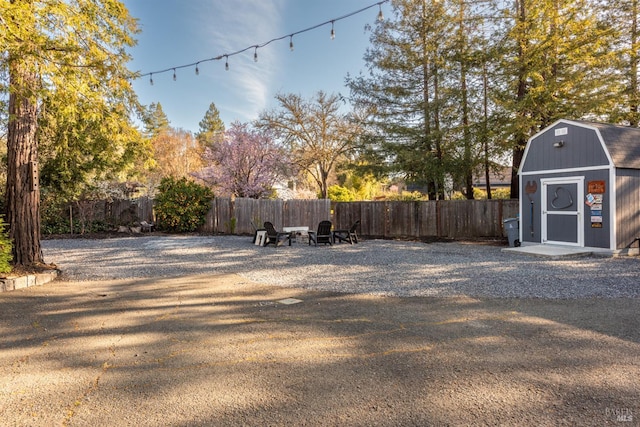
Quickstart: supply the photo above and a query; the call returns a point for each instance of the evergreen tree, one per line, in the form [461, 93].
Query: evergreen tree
[83, 141]
[155, 120]
[211, 128]
[418, 92]
[448, 80]
[622, 78]
[559, 54]
[55, 46]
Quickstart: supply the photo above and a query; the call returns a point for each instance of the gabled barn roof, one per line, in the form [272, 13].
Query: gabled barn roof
[623, 143]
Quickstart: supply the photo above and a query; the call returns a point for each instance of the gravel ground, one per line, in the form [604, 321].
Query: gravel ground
[375, 267]
[508, 340]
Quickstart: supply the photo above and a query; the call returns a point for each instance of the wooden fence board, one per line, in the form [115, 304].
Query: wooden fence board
[345, 214]
[307, 213]
[427, 219]
[400, 219]
[145, 209]
[247, 216]
[272, 211]
[224, 213]
[374, 218]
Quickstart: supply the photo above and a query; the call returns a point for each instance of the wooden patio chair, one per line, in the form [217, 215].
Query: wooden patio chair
[349, 235]
[275, 237]
[323, 235]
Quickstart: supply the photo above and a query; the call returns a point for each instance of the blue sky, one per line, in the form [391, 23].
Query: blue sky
[180, 32]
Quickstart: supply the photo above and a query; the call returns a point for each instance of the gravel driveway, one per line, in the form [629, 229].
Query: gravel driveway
[213, 331]
[376, 267]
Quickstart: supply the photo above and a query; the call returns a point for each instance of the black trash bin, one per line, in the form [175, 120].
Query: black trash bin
[512, 229]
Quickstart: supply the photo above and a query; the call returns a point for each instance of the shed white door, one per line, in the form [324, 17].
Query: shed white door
[563, 211]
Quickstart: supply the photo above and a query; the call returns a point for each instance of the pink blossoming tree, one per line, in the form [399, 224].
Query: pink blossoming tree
[246, 163]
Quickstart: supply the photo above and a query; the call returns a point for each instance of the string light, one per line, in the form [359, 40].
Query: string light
[226, 56]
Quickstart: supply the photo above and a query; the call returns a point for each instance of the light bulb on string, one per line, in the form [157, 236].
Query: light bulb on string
[380, 17]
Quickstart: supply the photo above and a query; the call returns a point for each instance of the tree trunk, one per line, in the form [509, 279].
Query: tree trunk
[634, 120]
[521, 139]
[485, 128]
[23, 191]
[518, 154]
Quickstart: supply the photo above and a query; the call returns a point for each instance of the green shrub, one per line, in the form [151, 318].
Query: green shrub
[54, 219]
[338, 193]
[501, 193]
[52, 225]
[6, 249]
[481, 193]
[181, 205]
[231, 225]
[407, 196]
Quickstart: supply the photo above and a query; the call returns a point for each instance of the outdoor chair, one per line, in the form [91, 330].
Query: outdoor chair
[323, 235]
[349, 235]
[275, 237]
[256, 229]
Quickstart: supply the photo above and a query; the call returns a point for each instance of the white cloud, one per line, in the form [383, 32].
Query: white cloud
[229, 26]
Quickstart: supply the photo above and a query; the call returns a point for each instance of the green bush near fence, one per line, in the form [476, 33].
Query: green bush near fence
[182, 205]
[480, 194]
[338, 193]
[6, 249]
[54, 219]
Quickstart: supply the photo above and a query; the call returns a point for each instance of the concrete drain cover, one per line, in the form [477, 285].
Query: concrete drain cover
[289, 301]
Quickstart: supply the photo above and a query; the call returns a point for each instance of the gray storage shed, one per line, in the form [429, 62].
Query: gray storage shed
[580, 185]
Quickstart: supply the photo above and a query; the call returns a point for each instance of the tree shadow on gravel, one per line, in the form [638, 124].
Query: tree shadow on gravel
[221, 350]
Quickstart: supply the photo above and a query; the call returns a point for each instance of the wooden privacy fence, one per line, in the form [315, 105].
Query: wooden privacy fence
[456, 219]
[443, 218]
[115, 211]
[239, 216]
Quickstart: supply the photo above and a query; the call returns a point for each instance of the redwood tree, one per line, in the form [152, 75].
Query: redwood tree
[23, 191]
[56, 47]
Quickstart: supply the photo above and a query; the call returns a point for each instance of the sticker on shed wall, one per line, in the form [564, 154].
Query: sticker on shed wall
[594, 201]
[596, 187]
